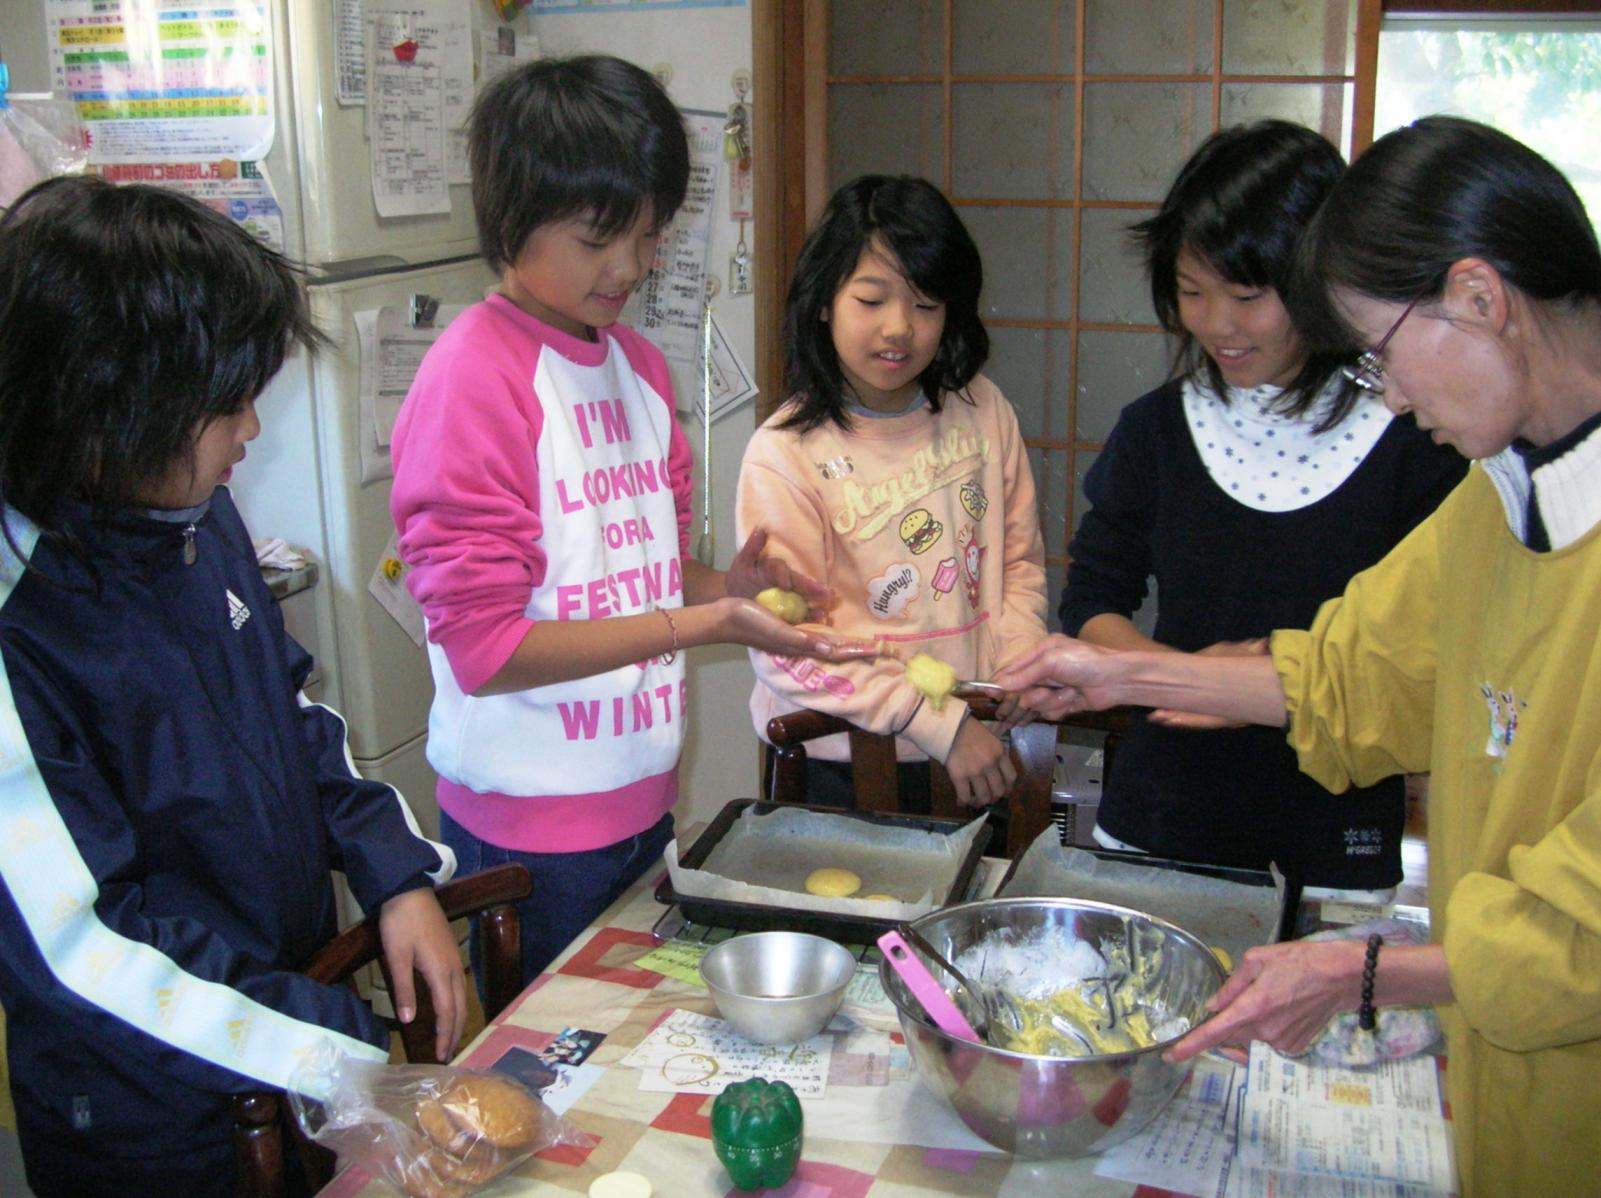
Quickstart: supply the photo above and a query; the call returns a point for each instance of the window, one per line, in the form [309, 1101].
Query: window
[1536, 78]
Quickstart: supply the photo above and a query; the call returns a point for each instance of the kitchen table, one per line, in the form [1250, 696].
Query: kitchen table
[597, 985]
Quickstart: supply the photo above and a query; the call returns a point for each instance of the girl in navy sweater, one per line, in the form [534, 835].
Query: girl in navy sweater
[1250, 487]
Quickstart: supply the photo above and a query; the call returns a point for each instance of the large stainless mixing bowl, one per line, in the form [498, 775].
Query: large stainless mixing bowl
[1039, 1106]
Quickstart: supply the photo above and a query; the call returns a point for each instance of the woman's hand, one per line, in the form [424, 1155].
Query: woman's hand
[746, 622]
[416, 936]
[1011, 712]
[980, 766]
[1060, 676]
[1284, 994]
[749, 574]
[1195, 721]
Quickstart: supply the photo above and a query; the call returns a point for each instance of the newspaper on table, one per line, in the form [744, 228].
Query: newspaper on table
[1383, 1122]
[1256, 1132]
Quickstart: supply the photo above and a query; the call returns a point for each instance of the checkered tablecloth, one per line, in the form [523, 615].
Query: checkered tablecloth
[597, 985]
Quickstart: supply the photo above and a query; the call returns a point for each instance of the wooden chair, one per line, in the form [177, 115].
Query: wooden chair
[1028, 804]
[262, 1122]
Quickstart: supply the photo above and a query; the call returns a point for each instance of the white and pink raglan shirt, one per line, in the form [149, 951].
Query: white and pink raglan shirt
[539, 476]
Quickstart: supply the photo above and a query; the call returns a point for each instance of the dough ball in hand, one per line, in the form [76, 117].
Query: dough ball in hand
[789, 606]
[832, 882]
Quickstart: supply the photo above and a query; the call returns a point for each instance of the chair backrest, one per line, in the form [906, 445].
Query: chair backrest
[873, 773]
[262, 1123]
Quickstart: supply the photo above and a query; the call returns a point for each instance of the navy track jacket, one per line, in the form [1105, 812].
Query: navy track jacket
[170, 809]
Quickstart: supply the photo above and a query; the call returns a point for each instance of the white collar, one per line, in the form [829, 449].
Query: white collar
[1567, 490]
[1272, 462]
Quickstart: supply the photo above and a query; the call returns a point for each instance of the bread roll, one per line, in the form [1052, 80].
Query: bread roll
[424, 1177]
[493, 1109]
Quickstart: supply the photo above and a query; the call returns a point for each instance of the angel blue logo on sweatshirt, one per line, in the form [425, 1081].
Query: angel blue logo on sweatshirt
[238, 613]
[1504, 707]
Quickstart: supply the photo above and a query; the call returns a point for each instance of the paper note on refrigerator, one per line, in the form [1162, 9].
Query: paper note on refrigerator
[388, 586]
[730, 384]
[238, 190]
[392, 345]
[667, 309]
[501, 50]
[163, 82]
[350, 59]
[412, 48]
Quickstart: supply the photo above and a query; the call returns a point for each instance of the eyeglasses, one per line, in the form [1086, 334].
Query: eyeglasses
[1368, 370]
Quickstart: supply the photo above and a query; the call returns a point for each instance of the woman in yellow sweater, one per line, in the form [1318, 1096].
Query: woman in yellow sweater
[1467, 263]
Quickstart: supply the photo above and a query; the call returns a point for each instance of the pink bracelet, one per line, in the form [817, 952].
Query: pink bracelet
[672, 627]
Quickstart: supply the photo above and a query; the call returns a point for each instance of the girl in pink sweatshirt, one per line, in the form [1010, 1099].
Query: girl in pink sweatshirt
[898, 473]
[542, 494]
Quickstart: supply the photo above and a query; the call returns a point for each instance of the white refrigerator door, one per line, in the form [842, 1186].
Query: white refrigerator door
[320, 162]
[384, 684]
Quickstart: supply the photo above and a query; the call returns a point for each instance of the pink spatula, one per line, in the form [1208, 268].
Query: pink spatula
[929, 992]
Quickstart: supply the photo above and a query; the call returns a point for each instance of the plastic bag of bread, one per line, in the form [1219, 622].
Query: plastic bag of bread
[432, 1131]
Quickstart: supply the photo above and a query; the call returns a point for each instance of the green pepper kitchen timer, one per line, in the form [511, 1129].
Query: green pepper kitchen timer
[756, 1130]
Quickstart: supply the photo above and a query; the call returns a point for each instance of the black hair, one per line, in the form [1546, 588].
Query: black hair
[1241, 203]
[132, 316]
[591, 137]
[1424, 197]
[911, 221]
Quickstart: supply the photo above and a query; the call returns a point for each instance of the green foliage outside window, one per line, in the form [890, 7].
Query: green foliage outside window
[1541, 85]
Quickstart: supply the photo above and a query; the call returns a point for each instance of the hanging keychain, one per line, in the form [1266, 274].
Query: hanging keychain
[739, 282]
[736, 149]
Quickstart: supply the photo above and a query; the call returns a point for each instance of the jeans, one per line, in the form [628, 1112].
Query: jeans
[570, 889]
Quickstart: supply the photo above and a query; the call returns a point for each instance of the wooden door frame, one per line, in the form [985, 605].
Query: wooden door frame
[788, 59]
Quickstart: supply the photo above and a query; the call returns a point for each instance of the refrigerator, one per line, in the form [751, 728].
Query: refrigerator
[303, 477]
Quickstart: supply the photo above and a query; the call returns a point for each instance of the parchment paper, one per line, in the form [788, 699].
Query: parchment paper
[765, 860]
[1223, 914]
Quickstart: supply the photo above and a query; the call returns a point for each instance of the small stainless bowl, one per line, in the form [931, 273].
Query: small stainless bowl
[1039, 1106]
[777, 987]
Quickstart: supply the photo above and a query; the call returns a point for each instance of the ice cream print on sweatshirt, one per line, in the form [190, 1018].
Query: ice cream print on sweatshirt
[911, 510]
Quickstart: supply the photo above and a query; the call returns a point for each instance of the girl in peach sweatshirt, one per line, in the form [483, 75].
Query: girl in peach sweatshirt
[897, 473]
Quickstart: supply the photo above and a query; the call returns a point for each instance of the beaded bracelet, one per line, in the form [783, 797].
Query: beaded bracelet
[1367, 1018]
[671, 627]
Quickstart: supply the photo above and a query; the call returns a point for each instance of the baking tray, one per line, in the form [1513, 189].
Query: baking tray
[1285, 929]
[847, 929]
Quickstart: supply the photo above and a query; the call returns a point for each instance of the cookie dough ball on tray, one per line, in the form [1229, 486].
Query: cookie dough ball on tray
[832, 882]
